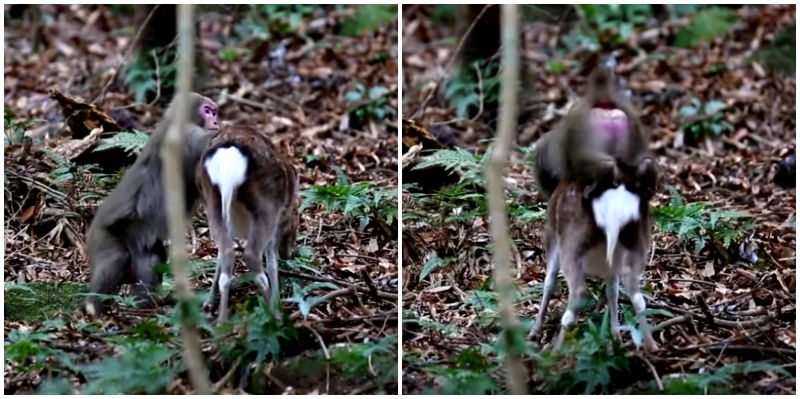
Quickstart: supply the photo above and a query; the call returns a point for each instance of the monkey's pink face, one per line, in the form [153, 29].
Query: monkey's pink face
[611, 122]
[209, 114]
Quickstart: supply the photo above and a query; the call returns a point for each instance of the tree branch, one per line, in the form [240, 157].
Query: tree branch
[173, 190]
[516, 374]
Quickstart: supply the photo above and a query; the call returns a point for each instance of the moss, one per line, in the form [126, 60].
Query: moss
[348, 368]
[41, 299]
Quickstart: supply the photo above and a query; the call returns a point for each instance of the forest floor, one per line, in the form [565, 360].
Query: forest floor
[321, 81]
[722, 278]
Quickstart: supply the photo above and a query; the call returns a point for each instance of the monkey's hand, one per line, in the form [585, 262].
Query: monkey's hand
[607, 175]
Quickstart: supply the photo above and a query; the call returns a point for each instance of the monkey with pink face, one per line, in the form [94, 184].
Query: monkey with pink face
[599, 139]
[125, 239]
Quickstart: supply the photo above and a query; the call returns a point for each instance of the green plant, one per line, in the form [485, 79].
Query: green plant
[70, 172]
[473, 85]
[15, 128]
[263, 338]
[556, 67]
[468, 166]
[146, 73]
[432, 264]
[377, 360]
[720, 381]
[696, 225]
[611, 23]
[706, 25]
[303, 259]
[779, 56]
[632, 323]
[361, 200]
[233, 54]
[301, 295]
[457, 203]
[369, 104]
[142, 368]
[616, 17]
[130, 142]
[468, 373]
[591, 360]
[368, 17]
[483, 302]
[701, 119]
[269, 19]
[29, 351]
[444, 13]
[409, 317]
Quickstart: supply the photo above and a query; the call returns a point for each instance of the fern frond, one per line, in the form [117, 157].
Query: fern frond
[132, 142]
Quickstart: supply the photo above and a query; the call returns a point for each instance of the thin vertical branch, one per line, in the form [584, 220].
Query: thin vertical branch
[516, 372]
[173, 189]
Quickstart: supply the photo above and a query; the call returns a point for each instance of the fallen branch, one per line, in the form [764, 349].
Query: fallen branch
[381, 294]
[325, 298]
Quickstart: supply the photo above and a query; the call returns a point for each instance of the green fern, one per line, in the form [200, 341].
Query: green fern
[362, 201]
[17, 127]
[130, 142]
[696, 225]
[463, 162]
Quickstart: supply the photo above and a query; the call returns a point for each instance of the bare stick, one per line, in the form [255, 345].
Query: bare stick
[173, 183]
[453, 58]
[127, 55]
[504, 283]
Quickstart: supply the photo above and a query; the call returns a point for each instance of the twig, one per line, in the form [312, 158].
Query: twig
[59, 196]
[325, 298]
[653, 371]
[687, 280]
[687, 316]
[450, 62]
[480, 96]
[723, 346]
[245, 101]
[372, 258]
[321, 341]
[516, 371]
[158, 78]
[381, 294]
[227, 377]
[370, 284]
[128, 53]
[173, 181]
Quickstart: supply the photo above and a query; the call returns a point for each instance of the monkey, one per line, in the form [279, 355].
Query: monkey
[599, 137]
[608, 237]
[249, 190]
[125, 238]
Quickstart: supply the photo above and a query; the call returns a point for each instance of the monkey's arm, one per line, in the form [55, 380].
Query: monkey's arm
[547, 167]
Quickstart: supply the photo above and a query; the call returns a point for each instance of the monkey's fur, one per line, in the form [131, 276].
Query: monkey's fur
[254, 196]
[125, 239]
[577, 151]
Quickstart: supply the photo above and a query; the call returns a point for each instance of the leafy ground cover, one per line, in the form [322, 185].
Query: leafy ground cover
[321, 80]
[722, 279]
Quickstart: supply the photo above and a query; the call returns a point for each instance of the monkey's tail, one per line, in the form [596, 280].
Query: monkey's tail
[227, 169]
[613, 209]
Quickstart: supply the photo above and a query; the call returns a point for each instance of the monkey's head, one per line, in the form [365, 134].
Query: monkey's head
[610, 109]
[204, 112]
